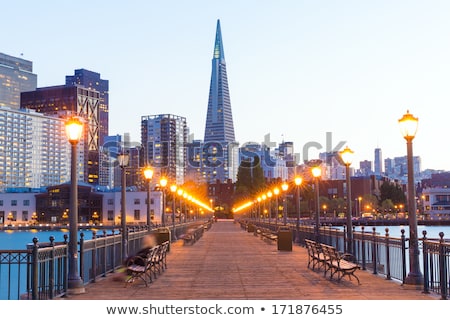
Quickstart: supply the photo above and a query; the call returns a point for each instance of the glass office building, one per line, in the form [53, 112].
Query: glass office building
[16, 76]
[220, 150]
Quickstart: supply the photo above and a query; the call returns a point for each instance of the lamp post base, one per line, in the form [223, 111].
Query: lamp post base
[413, 279]
[75, 286]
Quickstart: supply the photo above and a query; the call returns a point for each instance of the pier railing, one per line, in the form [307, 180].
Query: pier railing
[382, 254]
[40, 271]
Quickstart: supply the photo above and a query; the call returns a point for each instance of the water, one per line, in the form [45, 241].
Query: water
[395, 231]
[18, 239]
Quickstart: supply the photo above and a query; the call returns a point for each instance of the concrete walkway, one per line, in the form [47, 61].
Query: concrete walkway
[228, 263]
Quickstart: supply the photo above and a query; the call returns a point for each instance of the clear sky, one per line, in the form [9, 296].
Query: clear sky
[296, 69]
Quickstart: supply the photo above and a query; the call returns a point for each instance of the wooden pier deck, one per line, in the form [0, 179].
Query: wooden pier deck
[228, 263]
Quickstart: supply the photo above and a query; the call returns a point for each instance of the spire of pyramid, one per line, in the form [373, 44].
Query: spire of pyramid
[218, 45]
[219, 119]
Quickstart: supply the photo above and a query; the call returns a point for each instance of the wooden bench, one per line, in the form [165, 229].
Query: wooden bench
[147, 264]
[267, 234]
[141, 266]
[339, 264]
[192, 235]
[316, 258]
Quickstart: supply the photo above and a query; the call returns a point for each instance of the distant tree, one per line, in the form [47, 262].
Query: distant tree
[244, 180]
[369, 203]
[393, 192]
[337, 205]
[258, 180]
[250, 178]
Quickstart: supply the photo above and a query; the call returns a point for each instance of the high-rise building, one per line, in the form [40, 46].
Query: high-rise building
[365, 168]
[273, 165]
[164, 139]
[16, 76]
[34, 150]
[378, 162]
[67, 100]
[397, 167]
[220, 149]
[92, 80]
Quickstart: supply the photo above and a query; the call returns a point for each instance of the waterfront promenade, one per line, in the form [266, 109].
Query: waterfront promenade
[228, 263]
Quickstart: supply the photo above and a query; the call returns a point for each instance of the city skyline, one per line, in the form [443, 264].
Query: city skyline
[350, 69]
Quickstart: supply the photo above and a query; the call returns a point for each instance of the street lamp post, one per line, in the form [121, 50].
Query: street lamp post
[298, 181]
[123, 159]
[269, 196]
[163, 184]
[284, 187]
[74, 130]
[359, 206]
[347, 158]
[276, 192]
[173, 189]
[317, 172]
[148, 174]
[264, 198]
[259, 206]
[180, 194]
[408, 127]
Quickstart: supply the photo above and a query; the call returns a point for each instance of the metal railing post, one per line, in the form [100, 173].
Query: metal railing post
[403, 255]
[35, 270]
[363, 249]
[82, 256]
[51, 271]
[66, 264]
[374, 251]
[426, 284]
[442, 267]
[105, 250]
[94, 256]
[388, 256]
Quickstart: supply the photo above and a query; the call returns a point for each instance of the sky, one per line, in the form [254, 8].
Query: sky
[297, 70]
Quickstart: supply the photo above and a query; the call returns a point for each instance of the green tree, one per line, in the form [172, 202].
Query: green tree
[250, 178]
[393, 192]
[258, 180]
[244, 180]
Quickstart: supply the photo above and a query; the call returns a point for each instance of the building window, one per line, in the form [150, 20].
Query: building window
[12, 216]
[137, 214]
[13, 203]
[111, 202]
[110, 214]
[137, 201]
[26, 203]
[25, 215]
[152, 201]
[1, 202]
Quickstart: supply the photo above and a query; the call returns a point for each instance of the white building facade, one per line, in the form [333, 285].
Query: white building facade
[19, 208]
[34, 150]
[436, 203]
